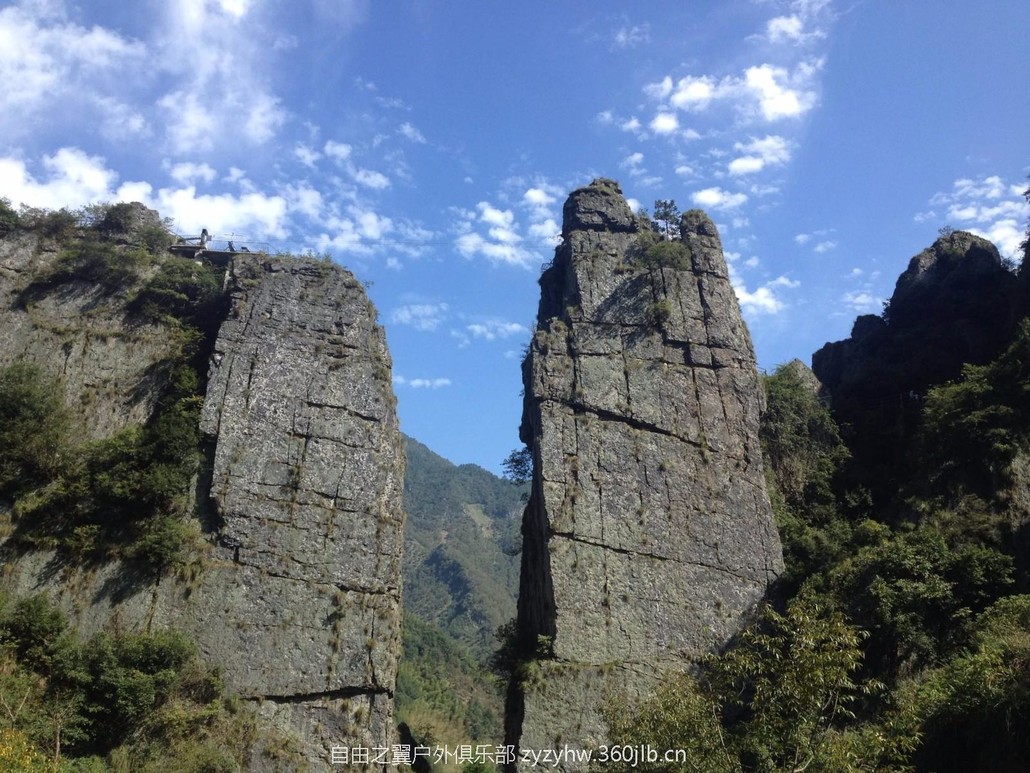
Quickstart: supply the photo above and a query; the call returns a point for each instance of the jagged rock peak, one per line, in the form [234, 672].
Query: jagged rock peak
[648, 537]
[950, 264]
[956, 303]
[599, 206]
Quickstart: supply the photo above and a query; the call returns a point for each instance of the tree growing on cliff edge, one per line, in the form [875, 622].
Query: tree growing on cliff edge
[666, 217]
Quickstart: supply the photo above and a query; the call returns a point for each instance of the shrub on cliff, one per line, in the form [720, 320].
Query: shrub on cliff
[9, 219]
[142, 700]
[34, 423]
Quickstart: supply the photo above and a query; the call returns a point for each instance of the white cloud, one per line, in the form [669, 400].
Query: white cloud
[120, 121]
[495, 329]
[501, 243]
[989, 207]
[784, 28]
[803, 238]
[771, 150]
[44, 58]
[764, 91]
[264, 117]
[370, 179]
[306, 155]
[632, 161]
[630, 37]
[822, 247]
[745, 165]
[605, 117]
[862, 301]
[421, 316]
[187, 172]
[659, 91]
[693, 93]
[73, 178]
[777, 99]
[411, 133]
[632, 125]
[338, 151]
[257, 215]
[538, 197]
[665, 123]
[305, 200]
[421, 383]
[717, 198]
[761, 301]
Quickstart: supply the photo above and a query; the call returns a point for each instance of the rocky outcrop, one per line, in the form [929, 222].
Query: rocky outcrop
[301, 605]
[297, 593]
[956, 303]
[648, 537]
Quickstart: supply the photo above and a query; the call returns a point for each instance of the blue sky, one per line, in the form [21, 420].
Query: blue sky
[428, 145]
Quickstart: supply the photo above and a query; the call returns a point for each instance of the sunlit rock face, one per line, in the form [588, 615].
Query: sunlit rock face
[648, 537]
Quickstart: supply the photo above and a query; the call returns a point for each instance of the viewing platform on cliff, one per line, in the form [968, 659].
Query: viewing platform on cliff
[215, 249]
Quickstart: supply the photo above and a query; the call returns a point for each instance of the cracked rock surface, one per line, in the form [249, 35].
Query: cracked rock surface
[649, 536]
[303, 607]
[298, 600]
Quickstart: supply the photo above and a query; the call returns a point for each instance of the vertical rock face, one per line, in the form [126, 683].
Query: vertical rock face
[298, 598]
[648, 536]
[302, 607]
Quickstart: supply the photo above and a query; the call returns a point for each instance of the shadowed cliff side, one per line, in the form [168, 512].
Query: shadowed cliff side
[956, 303]
[648, 537]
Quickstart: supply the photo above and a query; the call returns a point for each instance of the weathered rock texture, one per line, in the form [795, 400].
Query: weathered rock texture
[956, 303]
[111, 370]
[649, 536]
[298, 601]
[307, 477]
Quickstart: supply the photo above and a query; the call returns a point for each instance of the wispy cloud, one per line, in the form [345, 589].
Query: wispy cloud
[631, 36]
[990, 207]
[421, 316]
[420, 383]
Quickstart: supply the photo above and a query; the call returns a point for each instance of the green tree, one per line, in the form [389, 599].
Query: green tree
[666, 217]
[783, 699]
[973, 706]
[518, 465]
[802, 451]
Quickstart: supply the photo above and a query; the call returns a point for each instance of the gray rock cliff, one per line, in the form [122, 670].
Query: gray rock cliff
[648, 537]
[298, 595]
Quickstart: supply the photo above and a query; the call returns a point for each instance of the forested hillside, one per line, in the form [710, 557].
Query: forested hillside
[461, 575]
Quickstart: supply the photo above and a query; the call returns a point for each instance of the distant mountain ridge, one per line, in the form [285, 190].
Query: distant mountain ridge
[461, 544]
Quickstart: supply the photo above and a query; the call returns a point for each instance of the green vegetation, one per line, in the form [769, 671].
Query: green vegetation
[138, 702]
[783, 699]
[518, 466]
[903, 644]
[9, 220]
[123, 496]
[444, 695]
[667, 218]
[34, 425]
[462, 540]
[652, 251]
[126, 495]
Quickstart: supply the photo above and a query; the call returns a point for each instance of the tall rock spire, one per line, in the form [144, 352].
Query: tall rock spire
[648, 537]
